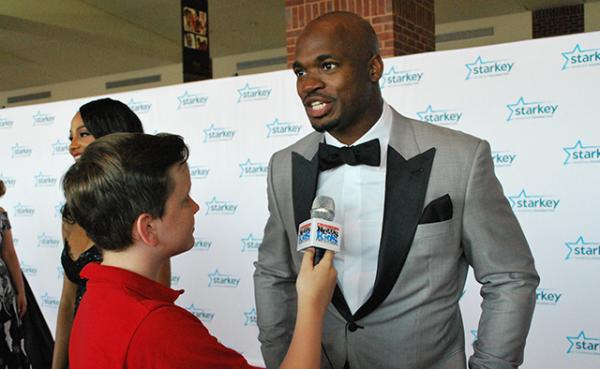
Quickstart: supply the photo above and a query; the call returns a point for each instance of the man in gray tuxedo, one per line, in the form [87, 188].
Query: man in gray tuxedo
[418, 203]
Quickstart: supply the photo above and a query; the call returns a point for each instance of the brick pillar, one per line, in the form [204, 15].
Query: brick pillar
[563, 20]
[403, 26]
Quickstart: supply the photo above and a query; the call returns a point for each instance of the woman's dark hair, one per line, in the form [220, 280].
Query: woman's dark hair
[102, 117]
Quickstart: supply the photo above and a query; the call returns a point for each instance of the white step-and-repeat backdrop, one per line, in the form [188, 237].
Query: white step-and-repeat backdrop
[536, 102]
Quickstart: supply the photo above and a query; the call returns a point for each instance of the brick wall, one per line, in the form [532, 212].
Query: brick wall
[563, 20]
[403, 26]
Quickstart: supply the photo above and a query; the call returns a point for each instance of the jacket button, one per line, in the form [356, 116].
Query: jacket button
[352, 327]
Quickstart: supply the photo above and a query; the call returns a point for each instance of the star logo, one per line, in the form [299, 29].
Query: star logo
[19, 151]
[583, 250]
[278, 128]
[6, 123]
[21, 210]
[61, 272]
[251, 243]
[43, 180]
[212, 134]
[581, 344]
[397, 78]
[579, 57]
[250, 169]
[139, 107]
[250, 317]
[188, 100]
[47, 241]
[217, 279]
[41, 119]
[203, 315]
[58, 209]
[480, 68]
[440, 116]
[215, 206]
[60, 147]
[524, 202]
[579, 154]
[248, 93]
[474, 334]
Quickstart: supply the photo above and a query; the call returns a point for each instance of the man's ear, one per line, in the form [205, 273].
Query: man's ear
[375, 68]
[145, 229]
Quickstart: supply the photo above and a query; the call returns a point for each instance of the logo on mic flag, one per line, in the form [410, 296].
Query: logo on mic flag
[320, 233]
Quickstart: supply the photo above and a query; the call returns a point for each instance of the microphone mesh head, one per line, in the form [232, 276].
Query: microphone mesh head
[323, 207]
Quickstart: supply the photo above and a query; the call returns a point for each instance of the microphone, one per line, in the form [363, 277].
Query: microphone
[320, 231]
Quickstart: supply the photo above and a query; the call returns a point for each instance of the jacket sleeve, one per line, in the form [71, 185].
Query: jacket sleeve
[496, 248]
[274, 282]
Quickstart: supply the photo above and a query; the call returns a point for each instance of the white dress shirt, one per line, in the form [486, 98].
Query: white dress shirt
[359, 194]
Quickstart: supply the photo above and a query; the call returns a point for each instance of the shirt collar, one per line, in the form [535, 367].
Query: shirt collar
[380, 130]
[95, 272]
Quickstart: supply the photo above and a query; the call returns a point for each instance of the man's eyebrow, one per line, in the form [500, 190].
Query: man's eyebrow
[323, 57]
[296, 65]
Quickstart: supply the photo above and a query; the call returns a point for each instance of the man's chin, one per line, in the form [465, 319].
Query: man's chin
[325, 126]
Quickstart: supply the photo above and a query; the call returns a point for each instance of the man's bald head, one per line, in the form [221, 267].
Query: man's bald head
[349, 28]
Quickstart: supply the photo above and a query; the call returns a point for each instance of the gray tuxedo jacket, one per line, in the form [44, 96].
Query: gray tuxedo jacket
[412, 319]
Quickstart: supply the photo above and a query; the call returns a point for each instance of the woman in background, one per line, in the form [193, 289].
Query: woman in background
[13, 302]
[93, 120]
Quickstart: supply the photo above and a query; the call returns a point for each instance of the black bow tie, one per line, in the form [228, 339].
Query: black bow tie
[366, 153]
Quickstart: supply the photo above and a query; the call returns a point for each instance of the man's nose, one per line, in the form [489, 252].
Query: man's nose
[310, 83]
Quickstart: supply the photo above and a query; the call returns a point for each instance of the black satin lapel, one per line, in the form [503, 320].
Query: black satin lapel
[304, 185]
[340, 304]
[405, 189]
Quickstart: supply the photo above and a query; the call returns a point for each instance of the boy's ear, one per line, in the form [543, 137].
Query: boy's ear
[144, 229]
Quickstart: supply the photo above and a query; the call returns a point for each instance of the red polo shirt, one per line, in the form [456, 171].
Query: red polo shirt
[129, 321]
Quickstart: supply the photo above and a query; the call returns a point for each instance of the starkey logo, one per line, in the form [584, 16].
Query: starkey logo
[440, 116]
[250, 243]
[139, 107]
[199, 172]
[20, 151]
[175, 278]
[60, 148]
[218, 207]
[6, 123]
[45, 240]
[216, 134]
[49, 301]
[545, 296]
[188, 100]
[253, 169]
[60, 272]
[534, 203]
[58, 209]
[42, 119]
[279, 128]
[582, 154]
[581, 249]
[21, 210]
[205, 316]
[490, 68]
[394, 78]
[217, 279]
[473, 335]
[503, 158]
[44, 180]
[580, 57]
[582, 344]
[28, 269]
[530, 110]
[250, 317]
[202, 244]
[253, 93]
[9, 182]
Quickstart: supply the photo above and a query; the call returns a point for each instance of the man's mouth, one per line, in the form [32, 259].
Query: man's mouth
[318, 108]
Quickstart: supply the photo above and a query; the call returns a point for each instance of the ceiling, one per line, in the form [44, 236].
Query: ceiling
[51, 41]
